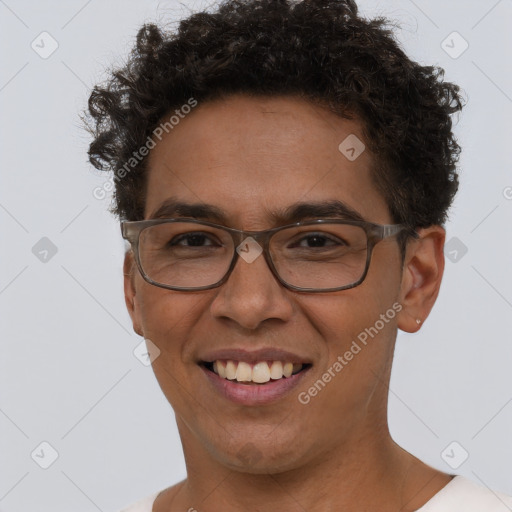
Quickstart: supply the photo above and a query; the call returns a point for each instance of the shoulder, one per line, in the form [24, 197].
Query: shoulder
[464, 495]
[143, 505]
[157, 501]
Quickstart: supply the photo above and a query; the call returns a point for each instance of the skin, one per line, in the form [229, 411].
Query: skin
[249, 155]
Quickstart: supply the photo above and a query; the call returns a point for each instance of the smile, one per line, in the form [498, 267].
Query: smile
[261, 372]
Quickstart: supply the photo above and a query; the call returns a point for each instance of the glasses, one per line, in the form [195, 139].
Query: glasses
[312, 256]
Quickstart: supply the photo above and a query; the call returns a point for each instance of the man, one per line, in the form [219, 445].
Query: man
[283, 172]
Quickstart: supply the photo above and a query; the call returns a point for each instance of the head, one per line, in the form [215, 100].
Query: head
[247, 109]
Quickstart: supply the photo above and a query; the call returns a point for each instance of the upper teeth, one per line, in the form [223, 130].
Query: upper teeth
[260, 372]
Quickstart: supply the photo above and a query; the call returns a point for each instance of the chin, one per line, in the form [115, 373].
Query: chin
[260, 458]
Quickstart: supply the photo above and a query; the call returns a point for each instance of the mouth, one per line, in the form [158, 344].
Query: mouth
[260, 373]
[255, 377]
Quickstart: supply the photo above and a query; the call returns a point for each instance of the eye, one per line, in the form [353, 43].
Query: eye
[319, 240]
[192, 239]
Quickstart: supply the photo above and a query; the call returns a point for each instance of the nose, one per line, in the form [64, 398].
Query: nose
[252, 294]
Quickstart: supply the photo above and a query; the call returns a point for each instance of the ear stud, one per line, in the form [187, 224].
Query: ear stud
[418, 321]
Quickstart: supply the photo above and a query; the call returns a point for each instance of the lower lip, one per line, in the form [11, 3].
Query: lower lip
[255, 394]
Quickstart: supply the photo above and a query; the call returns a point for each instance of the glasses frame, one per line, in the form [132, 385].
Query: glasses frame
[375, 233]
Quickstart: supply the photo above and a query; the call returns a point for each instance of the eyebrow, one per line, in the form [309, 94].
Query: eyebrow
[296, 212]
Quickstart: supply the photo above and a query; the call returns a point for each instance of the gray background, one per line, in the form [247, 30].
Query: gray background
[68, 375]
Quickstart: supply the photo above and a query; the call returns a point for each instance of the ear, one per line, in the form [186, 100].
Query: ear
[130, 297]
[421, 277]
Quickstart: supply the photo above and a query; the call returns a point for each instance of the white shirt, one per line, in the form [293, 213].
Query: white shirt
[459, 495]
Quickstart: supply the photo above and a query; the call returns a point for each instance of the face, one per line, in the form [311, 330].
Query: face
[250, 158]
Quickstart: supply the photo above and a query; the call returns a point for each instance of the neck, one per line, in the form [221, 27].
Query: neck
[366, 472]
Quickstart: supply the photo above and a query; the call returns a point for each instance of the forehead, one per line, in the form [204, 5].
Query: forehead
[251, 157]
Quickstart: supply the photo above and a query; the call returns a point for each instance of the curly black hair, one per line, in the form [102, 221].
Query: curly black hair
[320, 50]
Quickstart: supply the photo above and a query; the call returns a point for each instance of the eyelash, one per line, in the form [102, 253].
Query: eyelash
[304, 236]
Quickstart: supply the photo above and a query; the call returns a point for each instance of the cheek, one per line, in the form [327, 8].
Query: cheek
[342, 316]
[358, 330]
[352, 376]
[168, 319]
[168, 314]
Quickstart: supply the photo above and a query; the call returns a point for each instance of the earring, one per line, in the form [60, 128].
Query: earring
[418, 321]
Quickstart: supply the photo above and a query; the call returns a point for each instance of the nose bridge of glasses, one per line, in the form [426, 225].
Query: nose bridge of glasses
[240, 236]
[250, 246]
[253, 250]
